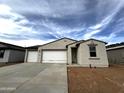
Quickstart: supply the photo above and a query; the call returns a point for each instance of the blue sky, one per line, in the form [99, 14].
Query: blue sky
[32, 22]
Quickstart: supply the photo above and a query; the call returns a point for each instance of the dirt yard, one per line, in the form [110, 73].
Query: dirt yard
[96, 80]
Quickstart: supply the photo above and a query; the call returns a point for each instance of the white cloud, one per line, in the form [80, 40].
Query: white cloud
[92, 30]
[100, 26]
[106, 38]
[9, 25]
[62, 31]
[7, 12]
[26, 43]
[108, 7]
[90, 34]
[54, 8]
[116, 40]
[119, 27]
[111, 39]
[60, 8]
[12, 23]
[4, 9]
[106, 11]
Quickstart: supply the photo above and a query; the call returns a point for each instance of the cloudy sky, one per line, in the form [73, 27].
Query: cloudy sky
[32, 22]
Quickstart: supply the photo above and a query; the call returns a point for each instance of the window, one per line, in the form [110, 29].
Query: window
[2, 53]
[92, 51]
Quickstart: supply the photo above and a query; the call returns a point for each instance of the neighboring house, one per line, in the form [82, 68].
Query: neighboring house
[115, 53]
[31, 54]
[11, 53]
[85, 53]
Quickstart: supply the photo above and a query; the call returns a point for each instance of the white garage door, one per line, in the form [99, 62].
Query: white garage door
[32, 56]
[54, 57]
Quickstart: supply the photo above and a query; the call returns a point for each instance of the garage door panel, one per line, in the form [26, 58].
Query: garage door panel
[54, 57]
[32, 56]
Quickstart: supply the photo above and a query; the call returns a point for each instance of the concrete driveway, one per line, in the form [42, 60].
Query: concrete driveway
[33, 78]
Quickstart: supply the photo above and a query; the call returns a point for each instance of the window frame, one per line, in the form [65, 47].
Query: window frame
[91, 51]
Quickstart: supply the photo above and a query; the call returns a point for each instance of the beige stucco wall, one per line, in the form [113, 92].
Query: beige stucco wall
[83, 56]
[57, 45]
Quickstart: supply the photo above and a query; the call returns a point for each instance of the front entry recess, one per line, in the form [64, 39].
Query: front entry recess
[74, 55]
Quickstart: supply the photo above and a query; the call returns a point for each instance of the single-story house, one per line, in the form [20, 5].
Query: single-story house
[11, 53]
[115, 53]
[85, 52]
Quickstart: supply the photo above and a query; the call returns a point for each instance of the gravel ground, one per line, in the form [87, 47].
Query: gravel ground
[96, 80]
